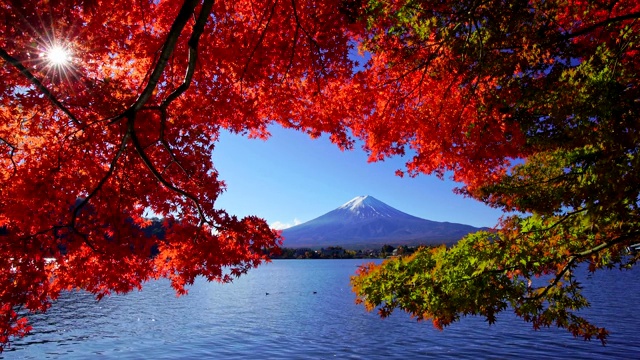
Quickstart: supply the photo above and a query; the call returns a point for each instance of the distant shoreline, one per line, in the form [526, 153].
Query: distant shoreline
[338, 252]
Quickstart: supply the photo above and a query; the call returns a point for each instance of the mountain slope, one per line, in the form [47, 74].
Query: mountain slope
[366, 221]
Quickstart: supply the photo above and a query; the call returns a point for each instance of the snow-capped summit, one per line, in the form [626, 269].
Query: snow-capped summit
[356, 202]
[369, 207]
[366, 221]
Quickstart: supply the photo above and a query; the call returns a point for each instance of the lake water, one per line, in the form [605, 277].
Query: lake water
[239, 320]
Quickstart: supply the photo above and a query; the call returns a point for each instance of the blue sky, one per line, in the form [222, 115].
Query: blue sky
[292, 178]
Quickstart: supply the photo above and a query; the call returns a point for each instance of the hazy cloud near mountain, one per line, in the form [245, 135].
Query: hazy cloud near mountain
[278, 225]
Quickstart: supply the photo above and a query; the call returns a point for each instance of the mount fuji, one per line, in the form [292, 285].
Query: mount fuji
[368, 222]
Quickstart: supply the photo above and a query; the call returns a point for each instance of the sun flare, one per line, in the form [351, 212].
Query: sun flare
[58, 55]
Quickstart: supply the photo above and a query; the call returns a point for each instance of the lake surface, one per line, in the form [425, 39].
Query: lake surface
[239, 321]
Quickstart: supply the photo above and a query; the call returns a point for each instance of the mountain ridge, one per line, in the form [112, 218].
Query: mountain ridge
[366, 221]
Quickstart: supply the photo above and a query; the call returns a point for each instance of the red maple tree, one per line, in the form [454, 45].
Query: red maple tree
[111, 110]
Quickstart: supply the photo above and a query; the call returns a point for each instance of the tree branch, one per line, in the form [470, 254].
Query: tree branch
[85, 201]
[18, 65]
[574, 257]
[588, 29]
[260, 39]
[293, 49]
[169, 46]
[11, 153]
[311, 39]
[500, 271]
[560, 221]
[165, 143]
[149, 164]
[198, 29]
[605, 245]
[104, 179]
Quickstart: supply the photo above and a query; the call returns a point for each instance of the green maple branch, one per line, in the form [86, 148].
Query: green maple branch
[34, 80]
[551, 180]
[562, 219]
[572, 259]
[577, 256]
[499, 271]
[606, 245]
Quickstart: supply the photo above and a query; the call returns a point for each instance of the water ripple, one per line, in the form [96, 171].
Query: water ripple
[309, 313]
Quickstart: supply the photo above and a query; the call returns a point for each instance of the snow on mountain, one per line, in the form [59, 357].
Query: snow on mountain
[368, 206]
[360, 202]
[366, 221]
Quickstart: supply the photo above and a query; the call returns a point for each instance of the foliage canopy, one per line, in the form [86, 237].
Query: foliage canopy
[552, 84]
[125, 118]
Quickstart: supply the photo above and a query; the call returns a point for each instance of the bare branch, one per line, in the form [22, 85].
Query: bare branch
[18, 65]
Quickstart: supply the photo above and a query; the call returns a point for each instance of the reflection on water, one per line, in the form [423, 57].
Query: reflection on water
[305, 309]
